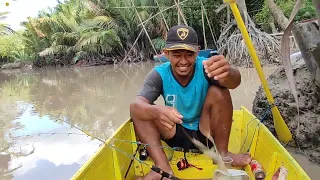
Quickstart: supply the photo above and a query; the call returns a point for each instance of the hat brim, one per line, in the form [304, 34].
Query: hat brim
[177, 46]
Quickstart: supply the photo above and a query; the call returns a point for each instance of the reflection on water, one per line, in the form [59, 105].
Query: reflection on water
[95, 99]
[35, 155]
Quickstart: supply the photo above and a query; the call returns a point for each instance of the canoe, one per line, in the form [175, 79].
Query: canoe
[112, 160]
[202, 53]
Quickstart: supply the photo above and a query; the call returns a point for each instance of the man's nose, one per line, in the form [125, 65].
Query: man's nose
[184, 59]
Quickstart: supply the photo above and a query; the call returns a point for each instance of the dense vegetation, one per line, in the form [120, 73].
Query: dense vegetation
[99, 32]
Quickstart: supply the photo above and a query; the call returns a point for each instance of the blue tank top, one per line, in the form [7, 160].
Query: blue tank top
[187, 100]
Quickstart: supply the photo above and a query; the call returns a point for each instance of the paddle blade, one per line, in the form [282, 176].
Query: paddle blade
[281, 127]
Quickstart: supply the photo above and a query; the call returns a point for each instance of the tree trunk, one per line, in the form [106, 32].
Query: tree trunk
[277, 14]
[316, 4]
[243, 10]
[307, 37]
[273, 27]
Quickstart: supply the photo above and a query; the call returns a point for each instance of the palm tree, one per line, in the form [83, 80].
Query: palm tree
[4, 28]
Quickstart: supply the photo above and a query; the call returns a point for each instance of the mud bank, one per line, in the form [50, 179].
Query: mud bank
[16, 65]
[307, 136]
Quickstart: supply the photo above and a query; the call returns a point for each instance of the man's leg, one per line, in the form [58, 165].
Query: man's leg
[149, 133]
[216, 117]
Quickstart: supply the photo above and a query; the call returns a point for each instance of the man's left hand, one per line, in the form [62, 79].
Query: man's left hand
[217, 67]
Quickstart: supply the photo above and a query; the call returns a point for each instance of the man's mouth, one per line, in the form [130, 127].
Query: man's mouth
[183, 68]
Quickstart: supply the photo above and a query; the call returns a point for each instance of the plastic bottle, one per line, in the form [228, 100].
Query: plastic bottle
[257, 170]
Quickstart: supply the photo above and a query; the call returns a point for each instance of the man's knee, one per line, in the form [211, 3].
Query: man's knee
[218, 95]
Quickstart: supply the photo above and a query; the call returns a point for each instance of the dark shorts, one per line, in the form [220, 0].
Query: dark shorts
[181, 140]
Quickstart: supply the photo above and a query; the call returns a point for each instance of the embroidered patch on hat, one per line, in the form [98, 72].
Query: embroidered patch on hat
[183, 33]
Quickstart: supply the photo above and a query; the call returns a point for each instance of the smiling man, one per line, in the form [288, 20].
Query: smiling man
[197, 100]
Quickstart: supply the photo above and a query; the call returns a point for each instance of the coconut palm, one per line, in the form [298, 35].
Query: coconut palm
[4, 28]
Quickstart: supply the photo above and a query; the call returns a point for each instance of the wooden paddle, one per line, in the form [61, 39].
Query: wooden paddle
[281, 127]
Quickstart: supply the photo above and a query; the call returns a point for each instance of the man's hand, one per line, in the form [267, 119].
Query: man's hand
[168, 116]
[218, 67]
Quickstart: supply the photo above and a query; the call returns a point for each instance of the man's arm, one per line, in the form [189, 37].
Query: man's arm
[234, 79]
[142, 107]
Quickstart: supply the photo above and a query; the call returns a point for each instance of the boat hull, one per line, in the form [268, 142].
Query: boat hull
[247, 134]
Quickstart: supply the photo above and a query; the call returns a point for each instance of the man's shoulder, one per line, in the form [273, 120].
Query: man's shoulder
[162, 69]
[162, 66]
[153, 75]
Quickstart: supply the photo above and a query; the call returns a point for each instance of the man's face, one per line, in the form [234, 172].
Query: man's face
[182, 61]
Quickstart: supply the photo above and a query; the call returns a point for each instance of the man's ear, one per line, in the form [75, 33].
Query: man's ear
[166, 53]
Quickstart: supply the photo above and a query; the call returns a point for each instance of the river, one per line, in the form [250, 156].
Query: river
[40, 107]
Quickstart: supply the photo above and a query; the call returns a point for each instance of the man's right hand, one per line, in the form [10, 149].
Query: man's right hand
[168, 116]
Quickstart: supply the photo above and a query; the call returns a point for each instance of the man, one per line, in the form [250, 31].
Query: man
[197, 100]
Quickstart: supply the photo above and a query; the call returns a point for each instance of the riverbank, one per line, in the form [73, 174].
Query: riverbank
[17, 65]
[306, 128]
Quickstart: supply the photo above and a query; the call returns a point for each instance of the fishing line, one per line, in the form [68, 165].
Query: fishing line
[40, 134]
[264, 115]
[85, 132]
[154, 168]
[144, 144]
[115, 139]
[164, 147]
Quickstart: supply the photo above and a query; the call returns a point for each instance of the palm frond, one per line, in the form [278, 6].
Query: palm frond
[65, 38]
[5, 29]
[99, 42]
[3, 15]
[55, 50]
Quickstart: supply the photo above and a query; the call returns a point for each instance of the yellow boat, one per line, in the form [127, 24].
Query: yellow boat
[112, 160]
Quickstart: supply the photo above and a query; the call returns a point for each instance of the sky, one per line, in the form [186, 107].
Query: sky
[21, 9]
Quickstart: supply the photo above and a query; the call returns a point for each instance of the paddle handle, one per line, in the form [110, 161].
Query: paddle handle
[251, 49]
[280, 126]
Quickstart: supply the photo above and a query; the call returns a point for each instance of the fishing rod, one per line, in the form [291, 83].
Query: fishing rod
[152, 167]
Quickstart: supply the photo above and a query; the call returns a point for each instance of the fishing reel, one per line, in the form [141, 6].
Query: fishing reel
[143, 154]
[182, 164]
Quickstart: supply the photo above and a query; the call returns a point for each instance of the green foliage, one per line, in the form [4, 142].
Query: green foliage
[98, 30]
[159, 43]
[262, 18]
[10, 47]
[88, 29]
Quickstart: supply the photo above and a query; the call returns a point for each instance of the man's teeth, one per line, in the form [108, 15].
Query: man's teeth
[183, 68]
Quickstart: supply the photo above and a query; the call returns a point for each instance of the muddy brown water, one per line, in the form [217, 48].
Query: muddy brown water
[34, 140]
